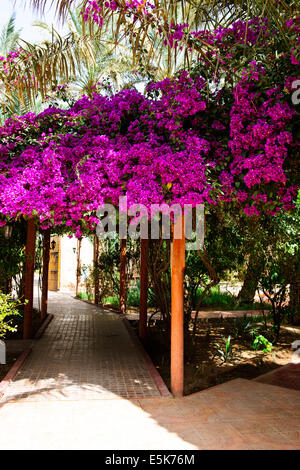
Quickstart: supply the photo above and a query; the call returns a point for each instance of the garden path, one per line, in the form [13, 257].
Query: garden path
[85, 353]
[86, 385]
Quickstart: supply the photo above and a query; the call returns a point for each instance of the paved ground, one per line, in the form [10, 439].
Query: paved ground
[240, 414]
[287, 376]
[70, 394]
[207, 314]
[85, 353]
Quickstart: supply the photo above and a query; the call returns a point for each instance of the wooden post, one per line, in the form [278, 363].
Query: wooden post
[123, 275]
[143, 289]
[177, 312]
[46, 258]
[78, 270]
[29, 279]
[96, 272]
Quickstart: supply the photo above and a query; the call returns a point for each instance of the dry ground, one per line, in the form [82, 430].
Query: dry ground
[205, 367]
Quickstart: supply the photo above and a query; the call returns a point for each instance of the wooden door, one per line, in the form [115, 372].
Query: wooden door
[54, 264]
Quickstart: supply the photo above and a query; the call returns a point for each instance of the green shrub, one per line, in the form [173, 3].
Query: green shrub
[8, 308]
[262, 343]
[114, 300]
[217, 299]
[83, 296]
[133, 296]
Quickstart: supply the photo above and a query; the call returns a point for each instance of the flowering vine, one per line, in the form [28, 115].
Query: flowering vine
[186, 141]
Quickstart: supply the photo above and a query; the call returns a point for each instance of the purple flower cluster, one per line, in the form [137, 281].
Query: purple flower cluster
[178, 144]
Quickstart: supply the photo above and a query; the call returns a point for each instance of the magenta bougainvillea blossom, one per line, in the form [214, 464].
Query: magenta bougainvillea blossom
[180, 143]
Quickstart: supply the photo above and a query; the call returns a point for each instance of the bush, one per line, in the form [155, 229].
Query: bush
[217, 299]
[133, 296]
[82, 296]
[262, 343]
[112, 301]
[8, 308]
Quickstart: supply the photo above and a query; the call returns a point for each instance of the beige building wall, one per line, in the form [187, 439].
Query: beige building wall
[68, 261]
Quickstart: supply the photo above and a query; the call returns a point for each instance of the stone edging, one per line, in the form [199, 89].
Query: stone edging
[43, 326]
[164, 391]
[5, 382]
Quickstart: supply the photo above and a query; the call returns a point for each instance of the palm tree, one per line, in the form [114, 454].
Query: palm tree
[17, 96]
[9, 36]
[110, 61]
[63, 57]
[198, 14]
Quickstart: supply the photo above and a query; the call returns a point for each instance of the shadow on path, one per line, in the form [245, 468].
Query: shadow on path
[86, 386]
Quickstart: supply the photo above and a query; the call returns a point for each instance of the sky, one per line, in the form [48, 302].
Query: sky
[25, 17]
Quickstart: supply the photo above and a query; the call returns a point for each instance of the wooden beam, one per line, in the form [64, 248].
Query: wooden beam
[177, 312]
[143, 289]
[123, 276]
[96, 270]
[78, 269]
[46, 258]
[29, 279]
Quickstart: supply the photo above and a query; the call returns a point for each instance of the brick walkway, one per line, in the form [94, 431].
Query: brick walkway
[85, 353]
[239, 414]
[72, 393]
[287, 376]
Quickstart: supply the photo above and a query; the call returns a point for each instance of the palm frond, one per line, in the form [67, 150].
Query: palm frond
[40, 67]
[61, 6]
[9, 36]
[63, 57]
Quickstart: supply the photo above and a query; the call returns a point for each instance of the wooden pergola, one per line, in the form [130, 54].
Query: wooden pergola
[177, 296]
